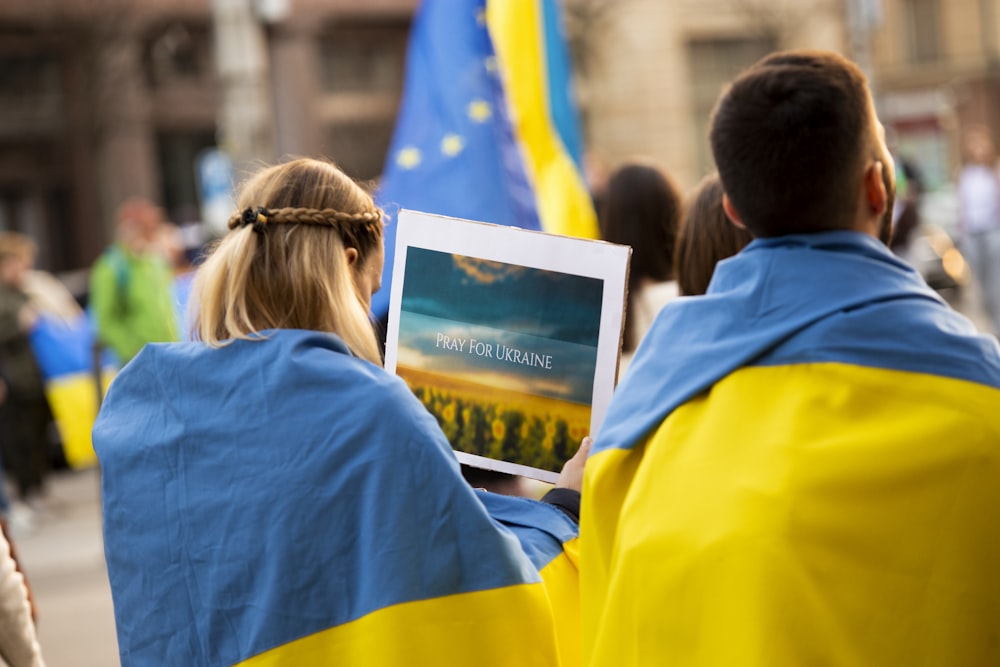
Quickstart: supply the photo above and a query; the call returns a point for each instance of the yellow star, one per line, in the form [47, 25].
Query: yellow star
[409, 157]
[491, 64]
[480, 111]
[452, 145]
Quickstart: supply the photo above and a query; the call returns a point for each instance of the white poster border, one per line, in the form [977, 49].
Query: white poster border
[607, 262]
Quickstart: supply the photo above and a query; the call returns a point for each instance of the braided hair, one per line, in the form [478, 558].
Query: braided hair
[355, 229]
[287, 262]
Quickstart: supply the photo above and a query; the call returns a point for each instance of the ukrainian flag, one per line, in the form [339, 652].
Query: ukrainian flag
[551, 540]
[800, 468]
[64, 352]
[487, 129]
[282, 502]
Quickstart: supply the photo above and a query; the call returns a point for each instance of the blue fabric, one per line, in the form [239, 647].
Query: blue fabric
[827, 297]
[180, 291]
[447, 71]
[541, 528]
[63, 348]
[562, 106]
[266, 490]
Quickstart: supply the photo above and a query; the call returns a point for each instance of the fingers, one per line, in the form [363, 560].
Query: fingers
[571, 476]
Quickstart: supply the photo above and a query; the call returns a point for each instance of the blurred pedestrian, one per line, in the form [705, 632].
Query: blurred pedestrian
[642, 209]
[18, 639]
[909, 192]
[181, 247]
[24, 414]
[130, 284]
[270, 492]
[707, 236]
[979, 217]
[802, 466]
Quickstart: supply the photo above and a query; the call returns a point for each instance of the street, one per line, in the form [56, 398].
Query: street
[64, 561]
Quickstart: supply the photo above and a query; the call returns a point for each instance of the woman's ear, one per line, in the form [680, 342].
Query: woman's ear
[352, 255]
[731, 213]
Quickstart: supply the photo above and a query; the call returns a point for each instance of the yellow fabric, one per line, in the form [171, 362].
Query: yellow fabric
[819, 514]
[73, 400]
[505, 626]
[564, 205]
[562, 583]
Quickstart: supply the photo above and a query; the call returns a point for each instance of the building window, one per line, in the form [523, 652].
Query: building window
[29, 74]
[359, 147]
[362, 69]
[921, 19]
[31, 94]
[179, 52]
[364, 58]
[713, 63]
[178, 157]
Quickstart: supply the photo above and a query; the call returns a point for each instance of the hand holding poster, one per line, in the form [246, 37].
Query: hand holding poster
[509, 337]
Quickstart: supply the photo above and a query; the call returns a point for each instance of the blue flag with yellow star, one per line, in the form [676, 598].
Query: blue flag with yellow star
[472, 67]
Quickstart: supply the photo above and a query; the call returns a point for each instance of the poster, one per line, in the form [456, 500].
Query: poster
[510, 338]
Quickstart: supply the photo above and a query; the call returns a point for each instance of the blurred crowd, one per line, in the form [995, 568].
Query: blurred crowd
[138, 294]
[770, 340]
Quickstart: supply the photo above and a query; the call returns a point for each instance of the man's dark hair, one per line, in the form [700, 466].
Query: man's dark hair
[788, 137]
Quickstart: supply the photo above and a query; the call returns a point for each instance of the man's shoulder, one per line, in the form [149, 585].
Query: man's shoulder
[906, 335]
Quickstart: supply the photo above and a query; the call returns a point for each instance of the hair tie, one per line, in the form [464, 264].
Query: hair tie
[257, 219]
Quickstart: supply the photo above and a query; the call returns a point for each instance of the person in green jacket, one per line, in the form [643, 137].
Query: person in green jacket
[130, 284]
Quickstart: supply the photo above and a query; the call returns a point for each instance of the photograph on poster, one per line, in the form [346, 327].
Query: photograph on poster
[504, 354]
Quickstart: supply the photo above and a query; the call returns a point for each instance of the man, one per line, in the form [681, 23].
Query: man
[802, 466]
[130, 284]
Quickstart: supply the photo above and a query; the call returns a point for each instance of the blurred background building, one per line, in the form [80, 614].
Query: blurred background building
[102, 99]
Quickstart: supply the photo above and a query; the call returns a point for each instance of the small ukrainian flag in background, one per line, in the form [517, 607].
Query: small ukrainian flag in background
[487, 129]
[64, 351]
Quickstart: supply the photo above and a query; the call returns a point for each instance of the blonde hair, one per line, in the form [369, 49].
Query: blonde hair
[284, 264]
[16, 244]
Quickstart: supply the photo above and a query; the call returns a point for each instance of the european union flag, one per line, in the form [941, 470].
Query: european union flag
[456, 151]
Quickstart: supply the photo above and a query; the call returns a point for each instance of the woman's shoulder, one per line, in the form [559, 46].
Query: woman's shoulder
[289, 362]
[659, 293]
[310, 374]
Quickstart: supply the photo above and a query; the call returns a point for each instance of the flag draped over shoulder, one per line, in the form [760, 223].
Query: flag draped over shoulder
[551, 541]
[802, 467]
[281, 502]
[487, 129]
[64, 351]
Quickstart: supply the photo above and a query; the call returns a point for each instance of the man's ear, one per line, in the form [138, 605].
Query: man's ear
[731, 213]
[875, 194]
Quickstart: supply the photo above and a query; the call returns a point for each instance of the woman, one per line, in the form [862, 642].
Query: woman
[18, 641]
[706, 238]
[273, 496]
[642, 208]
